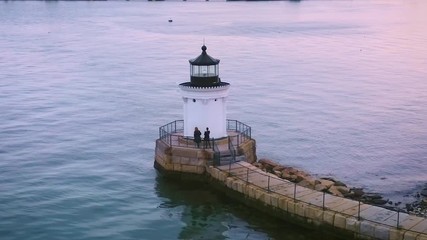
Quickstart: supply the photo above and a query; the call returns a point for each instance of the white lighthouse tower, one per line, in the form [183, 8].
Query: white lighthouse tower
[205, 97]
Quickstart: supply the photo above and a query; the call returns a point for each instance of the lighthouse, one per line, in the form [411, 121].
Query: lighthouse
[205, 97]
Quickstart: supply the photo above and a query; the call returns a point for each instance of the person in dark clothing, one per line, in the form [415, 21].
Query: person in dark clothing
[197, 136]
[207, 138]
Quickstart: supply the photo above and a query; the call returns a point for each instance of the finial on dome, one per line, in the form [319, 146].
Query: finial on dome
[204, 48]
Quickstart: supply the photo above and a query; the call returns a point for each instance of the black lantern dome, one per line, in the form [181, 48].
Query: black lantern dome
[204, 70]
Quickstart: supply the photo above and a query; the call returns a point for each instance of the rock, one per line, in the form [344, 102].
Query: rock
[340, 184]
[267, 162]
[342, 189]
[320, 188]
[349, 195]
[268, 165]
[278, 173]
[311, 180]
[278, 168]
[290, 170]
[372, 196]
[299, 178]
[358, 192]
[306, 183]
[257, 164]
[292, 178]
[326, 183]
[328, 178]
[379, 201]
[268, 169]
[424, 192]
[286, 175]
[334, 191]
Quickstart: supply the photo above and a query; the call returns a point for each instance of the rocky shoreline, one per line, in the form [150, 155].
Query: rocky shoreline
[338, 188]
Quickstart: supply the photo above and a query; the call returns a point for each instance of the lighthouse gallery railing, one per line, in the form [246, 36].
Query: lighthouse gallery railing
[172, 134]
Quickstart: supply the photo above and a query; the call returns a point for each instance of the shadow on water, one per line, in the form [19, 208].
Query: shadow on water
[210, 214]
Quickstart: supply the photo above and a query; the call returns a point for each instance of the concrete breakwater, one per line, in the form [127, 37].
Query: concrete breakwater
[286, 199]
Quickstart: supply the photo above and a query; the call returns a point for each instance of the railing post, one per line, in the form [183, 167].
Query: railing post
[247, 175]
[175, 126]
[358, 212]
[229, 139]
[213, 144]
[323, 206]
[295, 192]
[170, 139]
[268, 185]
[398, 216]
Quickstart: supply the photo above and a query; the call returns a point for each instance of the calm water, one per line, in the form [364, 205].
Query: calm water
[337, 88]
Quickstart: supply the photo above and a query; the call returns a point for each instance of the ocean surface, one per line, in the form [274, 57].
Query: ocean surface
[336, 88]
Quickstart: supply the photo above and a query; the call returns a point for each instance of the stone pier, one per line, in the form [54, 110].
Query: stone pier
[287, 199]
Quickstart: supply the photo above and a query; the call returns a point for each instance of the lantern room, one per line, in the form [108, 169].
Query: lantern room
[204, 70]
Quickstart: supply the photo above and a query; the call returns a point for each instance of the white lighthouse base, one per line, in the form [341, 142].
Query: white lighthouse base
[205, 107]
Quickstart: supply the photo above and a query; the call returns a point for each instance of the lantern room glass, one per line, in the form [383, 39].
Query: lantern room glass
[204, 71]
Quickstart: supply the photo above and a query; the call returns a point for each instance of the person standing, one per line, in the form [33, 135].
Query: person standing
[207, 138]
[197, 136]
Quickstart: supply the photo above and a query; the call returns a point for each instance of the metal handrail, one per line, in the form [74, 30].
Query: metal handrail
[168, 133]
[270, 188]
